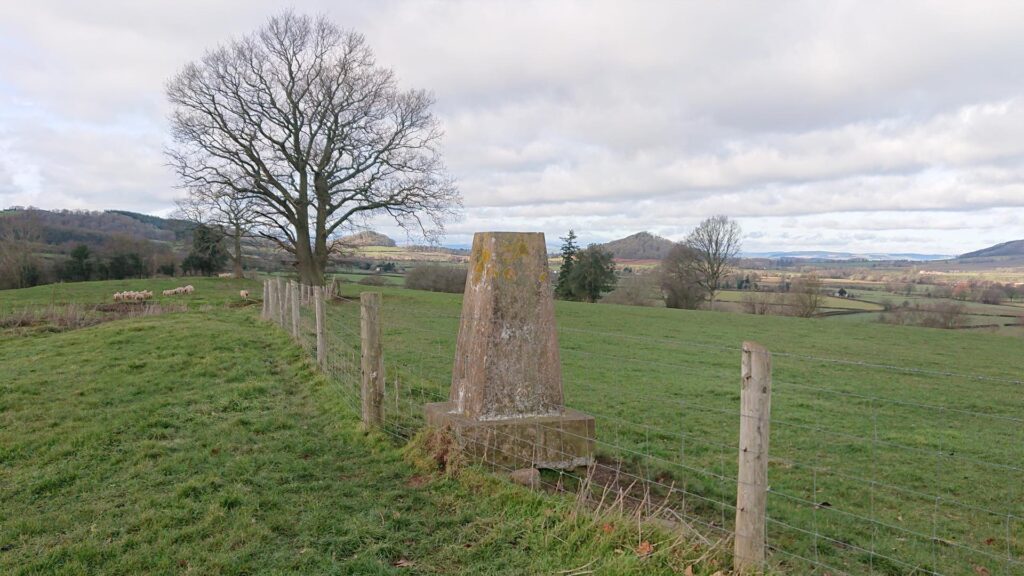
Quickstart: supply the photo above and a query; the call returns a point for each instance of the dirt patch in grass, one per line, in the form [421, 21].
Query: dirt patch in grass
[62, 318]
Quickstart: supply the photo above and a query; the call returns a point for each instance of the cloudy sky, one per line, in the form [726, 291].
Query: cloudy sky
[855, 126]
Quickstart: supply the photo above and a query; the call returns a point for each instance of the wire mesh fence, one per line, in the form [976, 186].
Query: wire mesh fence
[874, 467]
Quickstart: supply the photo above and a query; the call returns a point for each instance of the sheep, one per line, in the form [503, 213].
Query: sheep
[244, 294]
[134, 296]
[178, 291]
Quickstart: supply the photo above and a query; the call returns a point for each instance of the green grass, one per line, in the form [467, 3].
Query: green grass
[208, 291]
[204, 442]
[827, 302]
[897, 448]
[391, 279]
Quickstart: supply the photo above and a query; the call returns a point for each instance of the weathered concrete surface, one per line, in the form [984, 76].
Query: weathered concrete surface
[506, 359]
[529, 477]
[506, 403]
[558, 441]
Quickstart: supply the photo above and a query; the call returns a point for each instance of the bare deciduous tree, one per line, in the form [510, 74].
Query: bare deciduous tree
[299, 117]
[19, 267]
[680, 278]
[760, 302]
[236, 214]
[805, 296]
[716, 241]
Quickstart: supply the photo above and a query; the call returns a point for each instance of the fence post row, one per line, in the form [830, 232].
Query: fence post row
[321, 326]
[372, 359]
[752, 484]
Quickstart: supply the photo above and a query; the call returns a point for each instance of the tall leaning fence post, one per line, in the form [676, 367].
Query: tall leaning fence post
[372, 359]
[296, 310]
[321, 326]
[752, 484]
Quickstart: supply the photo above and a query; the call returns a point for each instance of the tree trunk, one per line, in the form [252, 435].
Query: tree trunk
[320, 240]
[238, 253]
[306, 264]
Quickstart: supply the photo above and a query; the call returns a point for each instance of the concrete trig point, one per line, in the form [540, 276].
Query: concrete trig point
[506, 401]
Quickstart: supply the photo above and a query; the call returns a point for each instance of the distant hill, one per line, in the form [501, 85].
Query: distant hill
[367, 238]
[823, 255]
[63, 229]
[639, 246]
[1011, 249]
[182, 229]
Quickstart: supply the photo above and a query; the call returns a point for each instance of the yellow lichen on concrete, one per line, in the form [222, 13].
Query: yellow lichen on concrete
[481, 265]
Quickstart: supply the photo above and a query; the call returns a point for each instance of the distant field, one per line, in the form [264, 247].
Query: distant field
[827, 302]
[391, 279]
[407, 254]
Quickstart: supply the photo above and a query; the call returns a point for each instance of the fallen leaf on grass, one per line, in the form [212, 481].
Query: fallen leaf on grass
[403, 563]
[688, 571]
[607, 528]
[644, 549]
[981, 571]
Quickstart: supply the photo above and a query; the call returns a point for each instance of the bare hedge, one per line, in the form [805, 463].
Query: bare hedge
[437, 278]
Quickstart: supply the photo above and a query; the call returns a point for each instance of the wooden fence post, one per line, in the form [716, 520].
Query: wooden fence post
[296, 310]
[272, 308]
[321, 326]
[285, 300]
[372, 359]
[266, 299]
[752, 485]
[279, 313]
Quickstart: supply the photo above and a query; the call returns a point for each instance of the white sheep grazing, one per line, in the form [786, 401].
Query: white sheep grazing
[189, 289]
[244, 294]
[118, 296]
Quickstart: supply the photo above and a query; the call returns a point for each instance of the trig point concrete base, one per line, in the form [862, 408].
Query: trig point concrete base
[506, 403]
[558, 441]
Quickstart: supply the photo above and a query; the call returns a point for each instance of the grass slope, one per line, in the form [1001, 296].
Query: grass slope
[204, 442]
[208, 291]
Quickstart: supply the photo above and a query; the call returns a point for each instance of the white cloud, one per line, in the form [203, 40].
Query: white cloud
[802, 119]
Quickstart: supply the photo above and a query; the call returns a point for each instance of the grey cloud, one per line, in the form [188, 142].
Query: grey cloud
[609, 116]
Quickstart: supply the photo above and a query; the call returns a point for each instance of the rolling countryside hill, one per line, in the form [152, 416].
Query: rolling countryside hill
[639, 246]
[1011, 249]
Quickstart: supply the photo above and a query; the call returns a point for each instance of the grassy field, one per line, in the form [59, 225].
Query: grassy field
[204, 442]
[208, 291]
[895, 450]
[827, 303]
